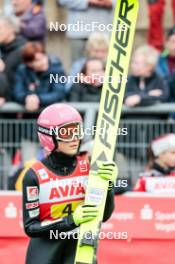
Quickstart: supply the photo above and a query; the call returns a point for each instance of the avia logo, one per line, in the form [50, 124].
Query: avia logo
[67, 190]
[165, 186]
[158, 184]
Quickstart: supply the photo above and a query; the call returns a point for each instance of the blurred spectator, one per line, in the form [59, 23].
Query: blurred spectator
[96, 47]
[155, 31]
[32, 19]
[90, 82]
[11, 45]
[8, 8]
[32, 84]
[145, 87]
[87, 16]
[5, 164]
[166, 63]
[4, 87]
[18, 172]
[161, 164]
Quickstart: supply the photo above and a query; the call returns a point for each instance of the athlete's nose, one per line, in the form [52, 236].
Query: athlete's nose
[75, 138]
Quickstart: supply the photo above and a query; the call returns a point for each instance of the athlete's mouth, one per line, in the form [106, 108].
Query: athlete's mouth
[74, 146]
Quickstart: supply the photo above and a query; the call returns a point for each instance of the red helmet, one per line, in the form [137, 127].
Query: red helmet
[51, 119]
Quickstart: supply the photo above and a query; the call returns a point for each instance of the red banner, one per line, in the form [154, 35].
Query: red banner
[143, 216]
[11, 214]
[148, 220]
[136, 215]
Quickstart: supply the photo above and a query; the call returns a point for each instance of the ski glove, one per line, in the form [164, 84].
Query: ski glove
[84, 213]
[108, 171]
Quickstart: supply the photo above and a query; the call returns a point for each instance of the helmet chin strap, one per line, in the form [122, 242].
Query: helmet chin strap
[55, 143]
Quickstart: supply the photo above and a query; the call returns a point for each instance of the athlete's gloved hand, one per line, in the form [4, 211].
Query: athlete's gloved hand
[84, 213]
[108, 171]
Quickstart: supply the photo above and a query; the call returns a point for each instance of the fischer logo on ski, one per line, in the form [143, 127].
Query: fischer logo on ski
[108, 119]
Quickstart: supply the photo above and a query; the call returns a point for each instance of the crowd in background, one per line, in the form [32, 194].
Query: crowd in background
[26, 67]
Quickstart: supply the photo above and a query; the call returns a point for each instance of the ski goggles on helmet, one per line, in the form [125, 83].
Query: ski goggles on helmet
[66, 132]
[69, 132]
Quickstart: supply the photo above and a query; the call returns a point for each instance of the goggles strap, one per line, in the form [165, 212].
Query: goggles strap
[46, 131]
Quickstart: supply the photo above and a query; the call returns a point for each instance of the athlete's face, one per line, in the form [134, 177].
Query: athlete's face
[69, 148]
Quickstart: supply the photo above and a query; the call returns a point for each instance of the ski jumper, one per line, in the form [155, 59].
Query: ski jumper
[52, 189]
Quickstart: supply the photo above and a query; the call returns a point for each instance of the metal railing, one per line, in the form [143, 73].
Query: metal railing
[142, 123]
